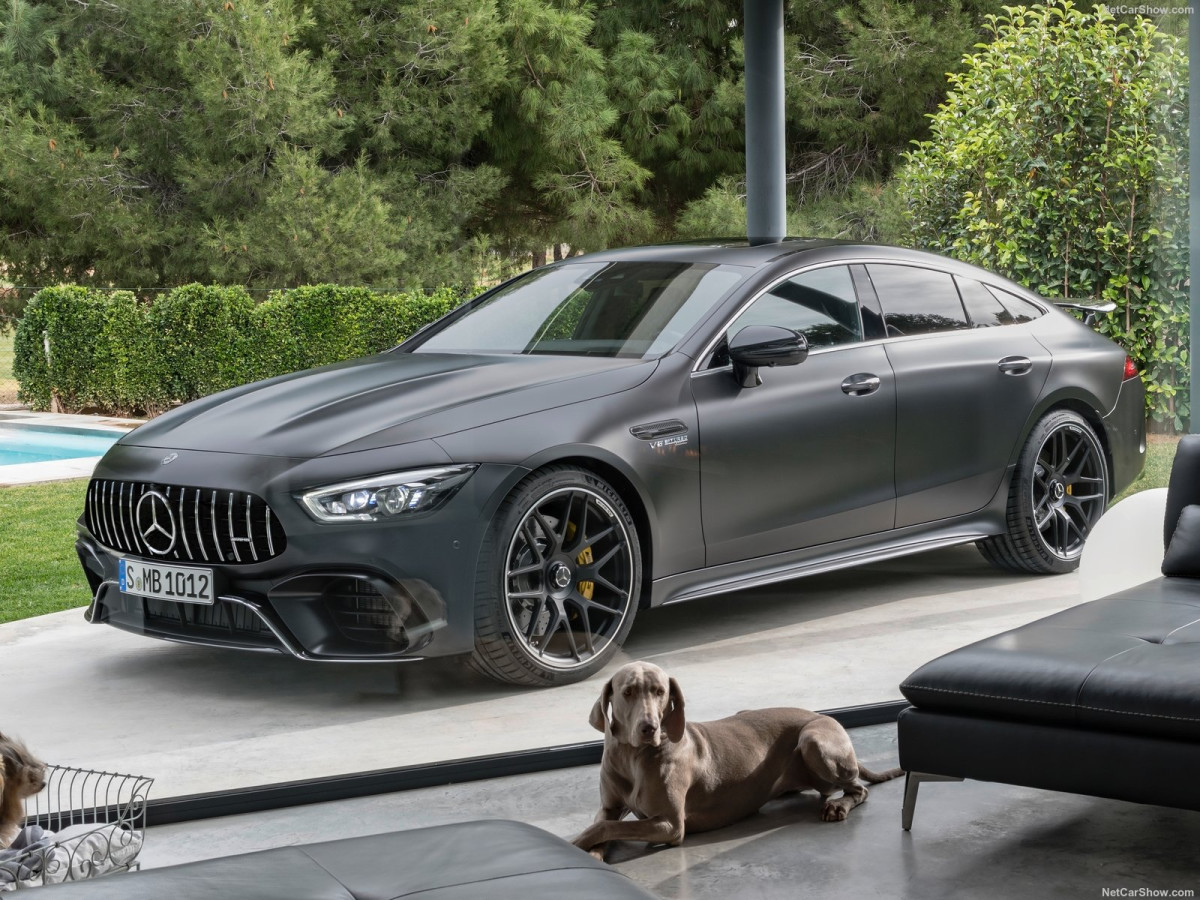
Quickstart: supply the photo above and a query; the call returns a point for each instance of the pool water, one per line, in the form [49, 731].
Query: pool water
[43, 443]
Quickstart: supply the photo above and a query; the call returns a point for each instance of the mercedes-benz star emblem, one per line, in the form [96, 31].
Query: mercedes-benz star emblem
[169, 458]
[155, 523]
[561, 575]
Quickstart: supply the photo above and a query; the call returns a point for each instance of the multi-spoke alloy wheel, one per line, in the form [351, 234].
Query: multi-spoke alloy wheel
[559, 580]
[1059, 492]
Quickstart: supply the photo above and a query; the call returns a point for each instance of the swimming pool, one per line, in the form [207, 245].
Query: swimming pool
[28, 443]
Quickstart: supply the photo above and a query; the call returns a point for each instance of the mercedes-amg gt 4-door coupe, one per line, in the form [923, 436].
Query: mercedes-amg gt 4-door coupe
[616, 431]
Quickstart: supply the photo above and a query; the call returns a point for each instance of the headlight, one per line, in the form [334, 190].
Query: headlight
[386, 496]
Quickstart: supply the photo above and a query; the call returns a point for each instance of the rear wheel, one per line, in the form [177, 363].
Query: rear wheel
[1059, 491]
[558, 582]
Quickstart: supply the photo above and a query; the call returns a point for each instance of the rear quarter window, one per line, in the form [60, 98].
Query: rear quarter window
[1018, 307]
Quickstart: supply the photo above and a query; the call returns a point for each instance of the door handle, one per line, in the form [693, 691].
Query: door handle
[861, 384]
[1016, 365]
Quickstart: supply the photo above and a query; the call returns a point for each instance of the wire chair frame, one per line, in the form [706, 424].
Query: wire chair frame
[115, 803]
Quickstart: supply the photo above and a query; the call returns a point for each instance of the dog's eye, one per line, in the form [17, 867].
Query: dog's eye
[658, 692]
[628, 693]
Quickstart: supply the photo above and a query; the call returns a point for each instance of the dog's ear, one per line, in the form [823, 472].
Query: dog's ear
[599, 717]
[674, 721]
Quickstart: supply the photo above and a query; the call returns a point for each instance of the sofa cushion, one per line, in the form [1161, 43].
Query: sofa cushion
[1127, 662]
[499, 860]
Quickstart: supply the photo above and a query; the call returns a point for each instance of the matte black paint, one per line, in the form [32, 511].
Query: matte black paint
[816, 468]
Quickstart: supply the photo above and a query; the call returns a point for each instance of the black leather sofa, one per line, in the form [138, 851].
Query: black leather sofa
[496, 859]
[1101, 699]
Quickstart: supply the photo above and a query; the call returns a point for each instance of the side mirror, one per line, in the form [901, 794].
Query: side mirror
[764, 345]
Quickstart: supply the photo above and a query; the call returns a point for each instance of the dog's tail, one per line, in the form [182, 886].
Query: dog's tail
[876, 777]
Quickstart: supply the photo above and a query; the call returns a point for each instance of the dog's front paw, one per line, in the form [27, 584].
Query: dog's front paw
[834, 812]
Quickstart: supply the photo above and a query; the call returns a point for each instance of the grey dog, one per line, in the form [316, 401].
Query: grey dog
[677, 776]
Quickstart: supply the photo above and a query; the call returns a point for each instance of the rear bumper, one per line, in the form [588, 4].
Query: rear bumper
[1125, 431]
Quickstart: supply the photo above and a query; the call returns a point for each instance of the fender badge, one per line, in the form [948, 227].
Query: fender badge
[169, 458]
[672, 441]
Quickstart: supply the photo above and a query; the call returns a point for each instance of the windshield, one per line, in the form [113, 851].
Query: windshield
[618, 309]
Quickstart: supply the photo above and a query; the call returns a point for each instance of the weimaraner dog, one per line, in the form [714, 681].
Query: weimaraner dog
[677, 776]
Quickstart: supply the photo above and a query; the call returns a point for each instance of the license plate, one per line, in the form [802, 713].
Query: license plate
[181, 584]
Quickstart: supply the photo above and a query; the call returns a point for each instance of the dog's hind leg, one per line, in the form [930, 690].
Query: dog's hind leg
[829, 757]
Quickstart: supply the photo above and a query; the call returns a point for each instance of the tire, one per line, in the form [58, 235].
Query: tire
[1059, 491]
[559, 580]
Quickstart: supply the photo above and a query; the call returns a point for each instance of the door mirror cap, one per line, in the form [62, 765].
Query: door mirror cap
[764, 345]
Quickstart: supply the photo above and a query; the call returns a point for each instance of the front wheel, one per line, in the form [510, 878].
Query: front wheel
[559, 580]
[1059, 491]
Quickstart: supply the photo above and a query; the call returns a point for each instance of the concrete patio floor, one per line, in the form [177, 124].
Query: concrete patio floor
[200, 719]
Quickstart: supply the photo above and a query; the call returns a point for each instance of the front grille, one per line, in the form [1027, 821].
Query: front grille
[183, 524]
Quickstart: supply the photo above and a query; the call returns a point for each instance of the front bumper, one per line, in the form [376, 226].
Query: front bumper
[353, 592]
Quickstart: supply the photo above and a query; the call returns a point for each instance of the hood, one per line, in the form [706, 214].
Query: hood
[384, 400]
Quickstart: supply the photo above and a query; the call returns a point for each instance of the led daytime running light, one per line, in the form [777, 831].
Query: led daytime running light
[385, 497]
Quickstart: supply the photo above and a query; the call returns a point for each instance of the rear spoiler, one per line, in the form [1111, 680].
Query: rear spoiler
[1090, 308]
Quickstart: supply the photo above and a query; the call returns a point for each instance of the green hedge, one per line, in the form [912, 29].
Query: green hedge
[106, 351]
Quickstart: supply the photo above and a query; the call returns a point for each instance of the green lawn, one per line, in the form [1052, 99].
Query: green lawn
[8, 384]
[39, 572]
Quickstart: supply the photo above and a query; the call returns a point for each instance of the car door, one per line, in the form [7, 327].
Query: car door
[806, 457]
[965, 386]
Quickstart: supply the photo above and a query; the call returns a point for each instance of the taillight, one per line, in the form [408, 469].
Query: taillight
[1131, 369]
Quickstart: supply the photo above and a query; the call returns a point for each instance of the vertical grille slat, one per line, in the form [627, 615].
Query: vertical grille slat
[137, 545]
[199, 531]
[124, 529]
[108, 519]
[91, 507]
[105, 514]
[203, 518]
[233, 541]
[212, 509]
[187, 546]
[250, 528]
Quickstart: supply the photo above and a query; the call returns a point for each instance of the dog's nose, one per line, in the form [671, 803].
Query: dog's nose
[648, 728]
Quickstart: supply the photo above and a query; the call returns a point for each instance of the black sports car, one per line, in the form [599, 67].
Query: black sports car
[620, 430]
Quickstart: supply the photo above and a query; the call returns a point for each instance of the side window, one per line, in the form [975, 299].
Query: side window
[983, 309]
[917, 301]
[820, 304]
[1020, 309]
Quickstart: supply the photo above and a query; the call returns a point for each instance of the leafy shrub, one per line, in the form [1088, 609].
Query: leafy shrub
[105, 351]
[1060, 159]
[84, 349]
[203, 336]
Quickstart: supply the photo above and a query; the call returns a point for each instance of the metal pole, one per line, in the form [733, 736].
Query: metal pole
[1193, 211]
[766, 204]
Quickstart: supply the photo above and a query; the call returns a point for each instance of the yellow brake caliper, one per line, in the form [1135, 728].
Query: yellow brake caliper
[585, 558]
[587, 588]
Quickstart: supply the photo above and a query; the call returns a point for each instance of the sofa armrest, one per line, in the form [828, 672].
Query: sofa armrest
[1184, 487]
